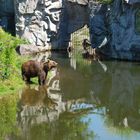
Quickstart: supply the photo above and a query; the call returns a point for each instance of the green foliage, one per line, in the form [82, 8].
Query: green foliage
[106, 1]
[8, 110]
[7, 54]
[9, 60]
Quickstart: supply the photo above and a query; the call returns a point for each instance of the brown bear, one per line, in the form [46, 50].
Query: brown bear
[34, 68]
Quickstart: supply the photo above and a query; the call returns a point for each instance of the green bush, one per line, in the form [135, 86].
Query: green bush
[106, 1]
[9, 61]
[8, 54]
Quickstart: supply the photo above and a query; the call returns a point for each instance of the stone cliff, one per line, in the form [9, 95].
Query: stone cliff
[37, 20]
[48, 24]
[116, 26]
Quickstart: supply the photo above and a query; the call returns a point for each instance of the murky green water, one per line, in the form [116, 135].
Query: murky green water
[84, 100]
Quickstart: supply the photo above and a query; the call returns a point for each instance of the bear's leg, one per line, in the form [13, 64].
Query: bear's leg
[39, 81]
[44, 81]
[26, 79]
[41, 78]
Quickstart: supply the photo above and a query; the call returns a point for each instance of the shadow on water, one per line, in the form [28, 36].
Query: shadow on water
[83, 100]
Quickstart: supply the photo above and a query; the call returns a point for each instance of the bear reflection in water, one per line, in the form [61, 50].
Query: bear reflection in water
[36, 107]
[39, 104]
[36, 96]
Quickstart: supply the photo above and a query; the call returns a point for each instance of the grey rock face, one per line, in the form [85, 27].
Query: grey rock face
[78, 16]
[125, 42]
[36, 20]
[74, 15]
[132, 1]
[45, 22]
[82, 2]
[120, 31]
[98, 24]
[31, 49]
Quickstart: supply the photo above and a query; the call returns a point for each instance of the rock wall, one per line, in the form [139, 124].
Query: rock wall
[74, 15]
[125, 41]
[48, 24]
[37, 20]
[115, 29]
[97, 23]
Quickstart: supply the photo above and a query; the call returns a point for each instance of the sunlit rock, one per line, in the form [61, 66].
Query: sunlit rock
[113, 27]
[37, 20]
[82, 2]
[31, 49]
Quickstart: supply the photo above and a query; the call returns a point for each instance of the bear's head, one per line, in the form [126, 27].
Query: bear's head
[49, 65]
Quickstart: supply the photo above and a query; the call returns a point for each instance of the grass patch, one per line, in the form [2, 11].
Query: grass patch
[10, 63]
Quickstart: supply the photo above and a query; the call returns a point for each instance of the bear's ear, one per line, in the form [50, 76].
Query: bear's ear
[46, 62]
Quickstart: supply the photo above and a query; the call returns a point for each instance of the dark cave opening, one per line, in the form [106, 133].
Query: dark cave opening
[7, 16]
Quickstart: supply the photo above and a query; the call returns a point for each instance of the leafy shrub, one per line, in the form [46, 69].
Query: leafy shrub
[105, 1]
[10, 63]
[8, 54]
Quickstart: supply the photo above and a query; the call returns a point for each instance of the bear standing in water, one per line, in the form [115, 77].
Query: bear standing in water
[34, 68]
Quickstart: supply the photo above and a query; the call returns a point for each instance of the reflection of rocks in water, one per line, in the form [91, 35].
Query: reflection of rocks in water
[37, 107]
[53, 80]
[71, 55]
[134, 122]
[122, 92]
[117, 90]
[39, 104]
[44, 104]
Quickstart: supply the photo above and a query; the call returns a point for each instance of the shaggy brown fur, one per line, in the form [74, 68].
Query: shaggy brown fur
[33, 68]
